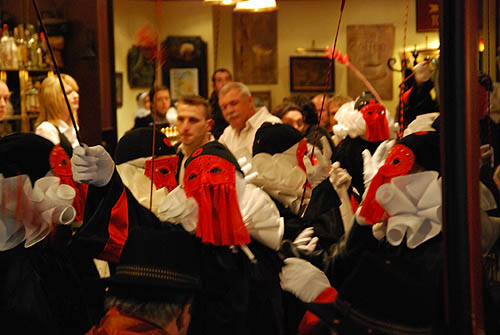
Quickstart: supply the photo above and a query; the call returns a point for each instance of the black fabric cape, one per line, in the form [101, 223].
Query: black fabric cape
[238, 297]
[40, 292]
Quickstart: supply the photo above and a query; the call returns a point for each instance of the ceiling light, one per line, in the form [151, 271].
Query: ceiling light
[220, 2]
[256, 5]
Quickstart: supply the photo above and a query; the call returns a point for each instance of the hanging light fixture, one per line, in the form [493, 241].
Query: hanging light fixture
[220, 2]
[256, 5]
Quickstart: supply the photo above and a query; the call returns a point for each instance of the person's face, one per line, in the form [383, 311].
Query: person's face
[236, 108]
[193, 125]
[161, 102]
[220, 79]
[317, 101]
[147, 103]
[295, 119]
[4, 99]
[324, 120]
[332, 109]
[73, 98]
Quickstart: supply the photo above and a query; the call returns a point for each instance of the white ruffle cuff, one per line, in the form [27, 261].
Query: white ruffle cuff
[414, 205]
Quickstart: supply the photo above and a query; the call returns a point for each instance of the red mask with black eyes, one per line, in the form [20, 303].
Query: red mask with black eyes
[211, 181]
[301, 152]
[399, 162]
[61, 166]
[165, 170]
[377, 128]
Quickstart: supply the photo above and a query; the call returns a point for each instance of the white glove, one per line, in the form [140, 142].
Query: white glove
[306, 241]
[303, 279]
[92, 165]
[423, 72]
[371, 164]
[177, 208]
[487, 156]
[317, 173]
[339, 177]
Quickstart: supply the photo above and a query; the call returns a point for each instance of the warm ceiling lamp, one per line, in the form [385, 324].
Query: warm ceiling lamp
[256, 5]
[220, 2]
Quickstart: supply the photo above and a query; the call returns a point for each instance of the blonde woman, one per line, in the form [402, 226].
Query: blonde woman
[54, 122]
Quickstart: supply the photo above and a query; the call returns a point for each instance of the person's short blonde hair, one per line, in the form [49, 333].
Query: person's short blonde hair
[52, 103]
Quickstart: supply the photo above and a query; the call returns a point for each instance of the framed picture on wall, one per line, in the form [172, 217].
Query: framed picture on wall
[183, 81]
[309, 74]
[185, 64]
[119, 88]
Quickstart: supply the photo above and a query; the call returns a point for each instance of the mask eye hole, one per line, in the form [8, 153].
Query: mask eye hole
[215, 170]
[192, 176]
[395, 161]
[164, 171]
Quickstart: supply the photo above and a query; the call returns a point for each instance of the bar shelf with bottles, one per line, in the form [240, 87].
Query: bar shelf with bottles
[23, 68]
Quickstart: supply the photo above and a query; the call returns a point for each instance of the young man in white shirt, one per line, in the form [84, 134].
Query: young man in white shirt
[194, 123]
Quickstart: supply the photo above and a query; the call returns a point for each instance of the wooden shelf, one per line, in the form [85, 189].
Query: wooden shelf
[12, 117]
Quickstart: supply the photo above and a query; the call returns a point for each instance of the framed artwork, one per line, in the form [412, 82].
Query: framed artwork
[369, 46]
[427, 15]
[119, 88]
[185, 67]
[140, 68]
[262, 98]
[308, 74]
[255, 48]
[183, 81]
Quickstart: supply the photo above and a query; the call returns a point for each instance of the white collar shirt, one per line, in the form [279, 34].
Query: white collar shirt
[240, 143]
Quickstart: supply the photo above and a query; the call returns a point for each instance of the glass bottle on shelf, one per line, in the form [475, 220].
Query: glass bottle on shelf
[22, 47]
[3, 46]
[8, 50]
[31, 96]
[34, 52]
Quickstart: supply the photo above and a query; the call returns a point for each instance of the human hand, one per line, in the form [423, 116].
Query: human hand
[92, 165]
[306, 241]
[317, 173]
[371, 164]
[303, 279]
[423, 72]
[339, 177]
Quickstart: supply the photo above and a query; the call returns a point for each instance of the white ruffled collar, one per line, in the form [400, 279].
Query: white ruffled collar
[133, 177]
[29, 213]
[414, 205]
[280, 176]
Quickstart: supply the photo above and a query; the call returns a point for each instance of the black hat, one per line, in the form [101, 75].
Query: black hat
[138, 143]
[425, 147]
[275, 138]
[25, 153]
[157, 265]
[363, 100]
[214, 148]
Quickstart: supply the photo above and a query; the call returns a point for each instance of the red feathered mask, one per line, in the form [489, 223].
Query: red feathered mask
[211, 181]
[399, 162]
[377, 128]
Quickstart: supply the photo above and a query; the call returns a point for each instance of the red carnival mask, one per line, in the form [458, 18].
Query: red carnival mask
[301, 152]
[377, 128]
[399, 162]
[165, 170]
[211, 181]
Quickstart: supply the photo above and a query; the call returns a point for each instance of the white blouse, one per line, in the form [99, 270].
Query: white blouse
[49, 131]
